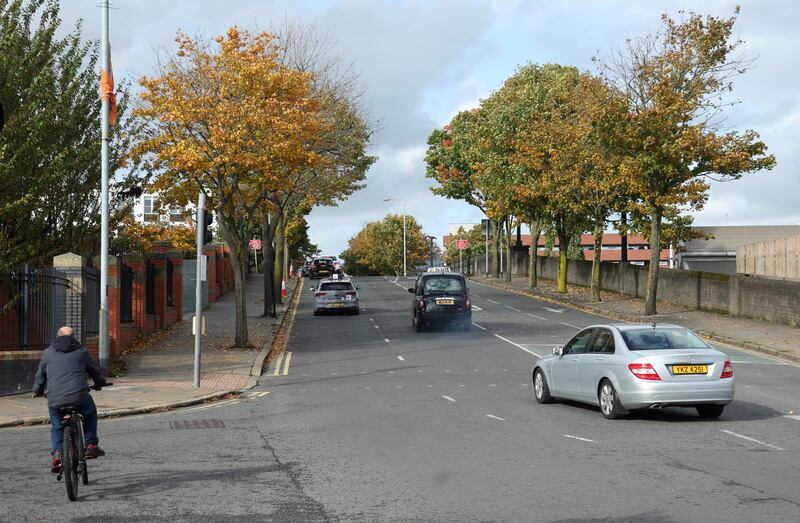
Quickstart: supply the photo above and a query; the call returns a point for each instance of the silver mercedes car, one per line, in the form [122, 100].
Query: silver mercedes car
[336, 294]
[636, 366]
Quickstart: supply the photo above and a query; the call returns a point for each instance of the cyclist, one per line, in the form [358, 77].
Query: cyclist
[62, 370]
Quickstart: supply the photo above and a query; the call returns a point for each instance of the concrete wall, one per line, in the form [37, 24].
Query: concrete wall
[761, 298]
[17, 370]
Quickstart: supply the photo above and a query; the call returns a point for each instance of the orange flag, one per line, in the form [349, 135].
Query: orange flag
[107, 92]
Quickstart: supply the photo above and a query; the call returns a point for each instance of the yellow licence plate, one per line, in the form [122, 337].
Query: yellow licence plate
[445, 301]
[336, 305]
[690, 369]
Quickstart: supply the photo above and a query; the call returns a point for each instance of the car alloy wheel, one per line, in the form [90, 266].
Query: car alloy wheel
[610, 406]
[538, 386]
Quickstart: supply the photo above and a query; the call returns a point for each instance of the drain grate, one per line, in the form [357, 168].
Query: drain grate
[197, 424]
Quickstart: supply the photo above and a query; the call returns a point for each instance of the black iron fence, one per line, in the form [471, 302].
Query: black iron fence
[91, 302]
[33, 305]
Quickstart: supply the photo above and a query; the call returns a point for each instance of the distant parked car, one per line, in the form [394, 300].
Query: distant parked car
[636, 366]
[440, 297]
[336, 295]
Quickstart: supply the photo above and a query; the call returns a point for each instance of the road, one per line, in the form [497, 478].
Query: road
[365, 419]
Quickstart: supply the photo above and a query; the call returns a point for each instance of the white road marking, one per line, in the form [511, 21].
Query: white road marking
[559, 311]
[447, 370]
[419, 370]
[461, 385]
[476, 308]
[495, 302]
[495, 417]
[371, 319]
[493, 385]
[512, 308]
[399, 357]
[748, 438]
[578, 438]
[448, 398]
[377, 327]
[475, 294]
[568, 325]
[430, 386]
[479, 326]
[399, 386]
[384, 339]
[517, 345]
[535, 316]
[796, 418]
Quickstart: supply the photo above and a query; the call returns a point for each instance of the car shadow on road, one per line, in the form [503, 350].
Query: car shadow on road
[645, 517]
[735, 411]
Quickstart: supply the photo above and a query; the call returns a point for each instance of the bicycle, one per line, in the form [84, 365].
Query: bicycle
[73, 457]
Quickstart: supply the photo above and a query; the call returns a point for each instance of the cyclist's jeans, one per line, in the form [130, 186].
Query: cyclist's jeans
[89, 412]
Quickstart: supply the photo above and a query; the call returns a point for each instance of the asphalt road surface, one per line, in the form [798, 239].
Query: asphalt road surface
[364, 419]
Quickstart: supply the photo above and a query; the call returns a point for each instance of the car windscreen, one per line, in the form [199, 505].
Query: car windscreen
[444, 284]
[336, 286]
[662, 339]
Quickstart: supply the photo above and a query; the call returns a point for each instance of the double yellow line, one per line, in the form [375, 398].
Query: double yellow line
[284, 358]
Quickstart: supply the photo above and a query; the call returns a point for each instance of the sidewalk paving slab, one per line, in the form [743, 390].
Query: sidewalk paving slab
[781, 341]
[160, 371]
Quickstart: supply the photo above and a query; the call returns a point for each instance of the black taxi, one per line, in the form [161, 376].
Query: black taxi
[439, 298]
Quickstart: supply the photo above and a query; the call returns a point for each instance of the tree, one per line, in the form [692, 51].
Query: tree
[132, 236]
[675, 83]
[476, 245]
[50, 145]
[449, 161]
[234, 122]
[379, 245]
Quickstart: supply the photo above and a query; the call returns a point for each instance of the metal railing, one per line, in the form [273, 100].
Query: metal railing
[33, 305]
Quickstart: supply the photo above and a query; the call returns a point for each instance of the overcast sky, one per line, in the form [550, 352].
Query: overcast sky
[421, 61]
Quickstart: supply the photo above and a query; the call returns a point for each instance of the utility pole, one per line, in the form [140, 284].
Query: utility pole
[104, 132]
[430, 249]
[198, 291]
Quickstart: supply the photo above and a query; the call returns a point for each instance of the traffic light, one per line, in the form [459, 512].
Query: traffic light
[208, 218]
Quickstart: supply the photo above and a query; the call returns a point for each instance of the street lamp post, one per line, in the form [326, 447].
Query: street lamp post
[404, 230]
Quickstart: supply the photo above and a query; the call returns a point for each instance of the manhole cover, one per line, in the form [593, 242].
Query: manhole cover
[197, 424]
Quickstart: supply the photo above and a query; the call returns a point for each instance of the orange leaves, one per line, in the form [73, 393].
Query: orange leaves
[229, 117]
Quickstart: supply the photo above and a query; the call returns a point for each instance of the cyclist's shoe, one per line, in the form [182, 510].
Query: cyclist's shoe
[55, 464]
[93, 451]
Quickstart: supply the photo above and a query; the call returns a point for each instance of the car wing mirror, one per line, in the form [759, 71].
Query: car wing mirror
[558, 350]
[311, 289]
[411, 290]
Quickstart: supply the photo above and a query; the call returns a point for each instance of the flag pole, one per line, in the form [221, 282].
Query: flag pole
[104, 124]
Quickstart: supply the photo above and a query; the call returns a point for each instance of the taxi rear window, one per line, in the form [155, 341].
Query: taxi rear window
[336, 286]
[444, 284]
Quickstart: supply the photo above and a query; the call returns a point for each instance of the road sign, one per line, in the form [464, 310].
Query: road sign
[255, 245]
[461, 245]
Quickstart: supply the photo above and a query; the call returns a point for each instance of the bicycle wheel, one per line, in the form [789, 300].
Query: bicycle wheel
[84, 470]
[70, 462]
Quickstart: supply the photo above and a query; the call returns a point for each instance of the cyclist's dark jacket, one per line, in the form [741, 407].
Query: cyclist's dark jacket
[63, 370]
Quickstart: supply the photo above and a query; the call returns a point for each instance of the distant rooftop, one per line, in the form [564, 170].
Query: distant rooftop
[727, 237]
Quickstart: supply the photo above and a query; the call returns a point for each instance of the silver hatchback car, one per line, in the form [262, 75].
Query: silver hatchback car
[636, 366]
[336, 294]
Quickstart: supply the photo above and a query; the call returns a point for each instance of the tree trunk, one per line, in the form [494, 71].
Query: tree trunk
[598, 245]
[536, 229]
[655, 258]
[563, 244]
[508, 249]
[278, 258]
[241, 338]
[495, 249]
[268, 257]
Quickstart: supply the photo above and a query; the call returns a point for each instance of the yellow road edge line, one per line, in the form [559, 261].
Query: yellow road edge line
[278, 365]
[286, 364]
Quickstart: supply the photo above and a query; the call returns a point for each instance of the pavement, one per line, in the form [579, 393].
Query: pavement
[363, 419]
[781, 341]
[160, 369]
